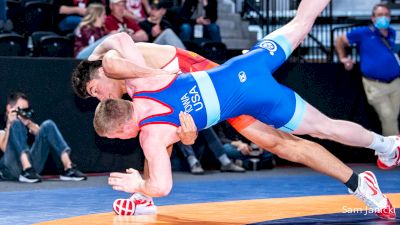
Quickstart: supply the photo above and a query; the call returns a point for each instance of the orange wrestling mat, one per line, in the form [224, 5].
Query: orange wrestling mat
[232, 212]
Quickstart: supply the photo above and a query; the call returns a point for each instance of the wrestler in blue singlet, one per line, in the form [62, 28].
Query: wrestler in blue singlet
[242, 85]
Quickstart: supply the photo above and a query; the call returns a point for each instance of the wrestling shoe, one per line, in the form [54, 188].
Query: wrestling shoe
[368, 191]
[124, 207]
[390, 161]
[137, 204]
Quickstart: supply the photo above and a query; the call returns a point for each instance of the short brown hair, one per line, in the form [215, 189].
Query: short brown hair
[379, 5]
[110, 115]
[14, 96]
[83, 73]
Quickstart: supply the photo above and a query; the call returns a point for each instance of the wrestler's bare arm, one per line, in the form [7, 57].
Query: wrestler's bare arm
[154, 140]
[120, 42]
[298, 28]
[154, 55]
[118, 67]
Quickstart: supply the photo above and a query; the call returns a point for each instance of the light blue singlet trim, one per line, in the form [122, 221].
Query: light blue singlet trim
[297, 117]
[209, 96]
[281, 41]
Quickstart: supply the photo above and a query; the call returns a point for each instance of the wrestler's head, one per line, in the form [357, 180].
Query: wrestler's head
[89, 80]
[114, 118]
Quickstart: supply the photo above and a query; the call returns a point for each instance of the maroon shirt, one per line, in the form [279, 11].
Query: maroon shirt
[87, 35]
[128, 25]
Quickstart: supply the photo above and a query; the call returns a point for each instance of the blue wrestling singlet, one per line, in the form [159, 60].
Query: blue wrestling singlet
[242, 85]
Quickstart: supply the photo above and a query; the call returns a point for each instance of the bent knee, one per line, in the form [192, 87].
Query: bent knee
[17, 124]
[387, 114]
[47, 124]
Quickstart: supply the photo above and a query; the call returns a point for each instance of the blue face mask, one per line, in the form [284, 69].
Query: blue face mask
[382, 22]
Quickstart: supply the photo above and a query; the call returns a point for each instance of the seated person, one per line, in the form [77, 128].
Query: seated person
[23, 163]
[119, 22]
[240, 149]
[90, 31]
[137, 9]
[199, 15]
[158, 28]
[69, 14]
[213, 142]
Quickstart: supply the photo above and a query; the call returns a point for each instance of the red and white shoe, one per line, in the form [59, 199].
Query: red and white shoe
[387, 162]
[368, 191]
[137, 204]
[144, 204]
[124, 207]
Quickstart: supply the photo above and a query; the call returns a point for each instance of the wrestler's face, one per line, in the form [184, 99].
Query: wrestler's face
[126, 131]
[104, 88]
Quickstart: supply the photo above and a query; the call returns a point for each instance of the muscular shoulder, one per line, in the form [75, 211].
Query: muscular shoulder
[161, 133]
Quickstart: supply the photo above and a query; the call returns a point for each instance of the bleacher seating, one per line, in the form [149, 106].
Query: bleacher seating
[12, 45]
[36, 36]
[38, 16]
[55, 46]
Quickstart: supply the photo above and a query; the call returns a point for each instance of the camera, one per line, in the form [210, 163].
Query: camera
[25, 113]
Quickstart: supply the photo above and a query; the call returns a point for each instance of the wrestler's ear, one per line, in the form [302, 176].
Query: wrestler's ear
[91, 87]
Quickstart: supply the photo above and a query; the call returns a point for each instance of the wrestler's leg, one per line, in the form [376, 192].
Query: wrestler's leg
[315, 156]
[319, 125]
[297, 150]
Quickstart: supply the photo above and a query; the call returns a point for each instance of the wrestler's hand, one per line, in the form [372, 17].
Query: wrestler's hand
[187, 132]
[128, 182]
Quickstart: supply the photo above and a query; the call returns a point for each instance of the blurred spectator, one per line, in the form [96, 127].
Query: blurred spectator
[237, 148]
[379, 64]
[194, 164]
[119, 22]
[198, 20]
[70, 13]
[138, 9]
[5, 24]
[90, 31]
[159, 29]
[21, 162]
[213, 142]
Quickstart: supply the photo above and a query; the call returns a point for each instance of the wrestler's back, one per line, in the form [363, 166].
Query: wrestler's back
[243, 85]
[156, 56]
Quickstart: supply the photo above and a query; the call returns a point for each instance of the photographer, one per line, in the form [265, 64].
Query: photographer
[21, 162]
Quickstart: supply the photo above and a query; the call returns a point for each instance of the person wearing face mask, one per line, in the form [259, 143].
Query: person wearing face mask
[379, 64]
